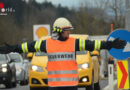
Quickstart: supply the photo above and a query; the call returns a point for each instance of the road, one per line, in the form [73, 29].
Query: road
[2, 87]
[103, 83]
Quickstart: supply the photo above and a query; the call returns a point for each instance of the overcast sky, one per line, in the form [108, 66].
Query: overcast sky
[68, 3]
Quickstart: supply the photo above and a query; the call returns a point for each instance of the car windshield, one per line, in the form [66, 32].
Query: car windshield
[41, 54]
[2, 57]
[81, 52]
[15, 57]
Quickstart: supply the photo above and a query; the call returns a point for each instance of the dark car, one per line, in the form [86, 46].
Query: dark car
[7, 71]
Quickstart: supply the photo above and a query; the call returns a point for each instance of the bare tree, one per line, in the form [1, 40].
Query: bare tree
[111, 10]
[117, 8]
[90, 19]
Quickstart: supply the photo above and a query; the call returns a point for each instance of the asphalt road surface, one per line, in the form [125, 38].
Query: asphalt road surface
[2, 87]
[103, 83]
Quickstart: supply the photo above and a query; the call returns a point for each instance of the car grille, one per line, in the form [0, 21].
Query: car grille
[35, 81]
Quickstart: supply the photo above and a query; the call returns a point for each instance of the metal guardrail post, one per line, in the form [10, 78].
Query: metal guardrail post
[111, 74]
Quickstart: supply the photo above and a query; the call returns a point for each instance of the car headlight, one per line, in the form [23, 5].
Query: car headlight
[83, 66]
[86, 65]
[4, 65]
[4, 69]
[36, 68]
[84, 79]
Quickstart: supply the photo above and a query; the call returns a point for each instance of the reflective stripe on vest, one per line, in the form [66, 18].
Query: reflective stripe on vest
[81, 44]
[97, 45]
[38, 45]
[62, 67]
[61, 56]
[62, 79]
[24, 47]
[63, 72]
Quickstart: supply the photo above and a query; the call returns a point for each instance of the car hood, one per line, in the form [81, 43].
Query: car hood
[18, 65]
[83, 58]
[3, 62]
[40, 61]
[43, 60]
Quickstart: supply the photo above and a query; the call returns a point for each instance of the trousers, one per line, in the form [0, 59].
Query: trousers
[63, 88]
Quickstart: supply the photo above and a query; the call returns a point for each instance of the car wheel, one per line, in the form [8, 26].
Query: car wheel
[96, 86]
[22, 83]
[25, 82]
[37, 88]
[90, 87]
[9, 84]
[14, 84]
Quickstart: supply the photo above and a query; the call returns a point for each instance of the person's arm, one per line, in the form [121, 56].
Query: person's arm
[82, 45]
[35, 46]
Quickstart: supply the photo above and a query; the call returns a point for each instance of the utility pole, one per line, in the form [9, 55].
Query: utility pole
[111, 69]
[127, 19]
[127, 27]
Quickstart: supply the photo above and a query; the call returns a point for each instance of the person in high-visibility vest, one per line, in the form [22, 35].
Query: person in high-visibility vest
[62, 67]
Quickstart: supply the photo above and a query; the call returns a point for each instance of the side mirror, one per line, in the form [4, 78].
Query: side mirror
[94, 53]
[29, 55]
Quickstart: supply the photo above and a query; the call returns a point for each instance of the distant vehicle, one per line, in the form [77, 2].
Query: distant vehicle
[21, 68]
[7, 71]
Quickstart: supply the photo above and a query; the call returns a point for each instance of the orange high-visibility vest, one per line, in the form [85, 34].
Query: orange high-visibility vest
[62, 66]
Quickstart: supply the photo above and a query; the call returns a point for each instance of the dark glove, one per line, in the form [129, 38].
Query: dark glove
[6, 48]
[117, 43]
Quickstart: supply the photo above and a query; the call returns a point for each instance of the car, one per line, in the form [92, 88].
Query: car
[21, 68]
[88, 77]
[7, 71]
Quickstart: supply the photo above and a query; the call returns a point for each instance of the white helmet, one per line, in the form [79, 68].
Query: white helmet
[62, 24]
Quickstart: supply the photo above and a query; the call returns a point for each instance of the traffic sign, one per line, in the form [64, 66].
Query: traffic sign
[124, 53]
[122, 75]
